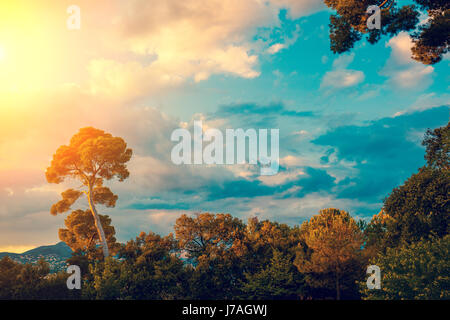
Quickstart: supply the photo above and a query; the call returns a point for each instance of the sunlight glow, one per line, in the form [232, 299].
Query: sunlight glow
[2, 54]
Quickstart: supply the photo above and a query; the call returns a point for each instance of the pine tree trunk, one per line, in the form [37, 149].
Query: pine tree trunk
[98, 224]
[338, 289]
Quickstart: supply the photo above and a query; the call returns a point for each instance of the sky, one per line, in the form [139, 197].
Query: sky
[351, 125]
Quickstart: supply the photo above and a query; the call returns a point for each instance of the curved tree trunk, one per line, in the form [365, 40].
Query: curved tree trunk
[98, 224]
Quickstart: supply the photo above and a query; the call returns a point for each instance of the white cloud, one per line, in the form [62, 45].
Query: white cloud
[298, 8]
[287, 42]
[185, 40]
[165, 44]
[426, 101]
[275, 48]
[341, 77]
[404, 72]
[412, 77]
[343, 61]
[143, 46]
[281, 177]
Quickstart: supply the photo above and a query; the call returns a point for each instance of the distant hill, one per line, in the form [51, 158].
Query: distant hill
[55, 255]
[60, 249]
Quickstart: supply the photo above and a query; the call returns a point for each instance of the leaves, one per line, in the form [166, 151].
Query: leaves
[32, 282]
[91, 154]
[416, 271]
[431, 41]
[68, 199]
[277, 280]
[91, 157]
[419, 208]
[333, 247]
[81, 235]
[149, 270]
[208, 234]
[103, 195]
[437, 144]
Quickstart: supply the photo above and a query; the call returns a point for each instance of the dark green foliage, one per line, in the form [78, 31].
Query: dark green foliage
[214, 245]
[437, 144]
[431, 39]
[32, 282]
[342, 36]
[409, 240]
[279, 279]
[148, 270]
[420, 270]
[419, 208]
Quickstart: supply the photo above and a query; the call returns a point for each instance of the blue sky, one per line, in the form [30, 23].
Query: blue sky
[361, 140]
[294, 76]
[350, 125]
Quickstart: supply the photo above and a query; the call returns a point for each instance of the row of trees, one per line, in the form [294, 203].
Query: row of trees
[211, 257]
[218, 256]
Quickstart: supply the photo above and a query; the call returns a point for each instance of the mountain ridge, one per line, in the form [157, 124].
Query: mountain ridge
[55, 255]
[60, 249]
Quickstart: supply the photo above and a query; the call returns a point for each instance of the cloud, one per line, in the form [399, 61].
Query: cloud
[355, 162]
[275, 48]
[132, 79]
[341, 77]
[343, 61]
[21, 232]
[412, 77]
[143, 47]
[287, 41]
[131, 222]
[298, 8]
[373, 158]
[217, 38]
[255, 109]
[404, 72]
[361, 162]
[431, 100]
[156, 186]
[311, 180]
[252, 115]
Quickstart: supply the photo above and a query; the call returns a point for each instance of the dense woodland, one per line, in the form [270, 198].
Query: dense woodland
[218, 256]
